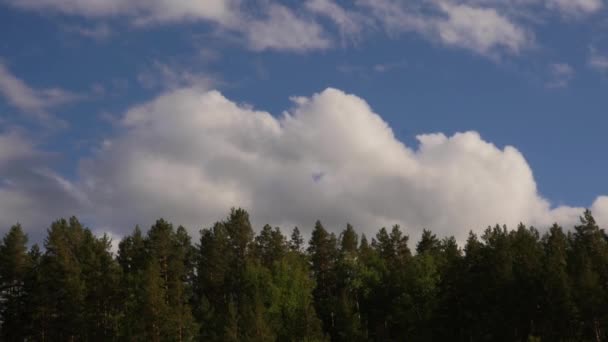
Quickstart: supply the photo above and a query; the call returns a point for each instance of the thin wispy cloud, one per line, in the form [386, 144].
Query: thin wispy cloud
[561, 74]
[490, 28]
[97, 32]
[597, 60]
[36, 102]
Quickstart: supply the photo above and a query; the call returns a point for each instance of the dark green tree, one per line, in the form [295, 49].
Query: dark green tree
[15, 264]
[296, 243]
[270, 246]
[559, 310]
[323, 252]
[589, 272]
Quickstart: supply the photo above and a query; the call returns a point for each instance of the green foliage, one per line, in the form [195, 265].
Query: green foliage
[234, 285]
[15, 263]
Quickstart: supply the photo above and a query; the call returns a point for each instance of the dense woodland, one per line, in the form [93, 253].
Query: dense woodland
[233, 285]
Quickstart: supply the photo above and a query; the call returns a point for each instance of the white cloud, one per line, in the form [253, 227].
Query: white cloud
[190, 155]
[575, 7]
[395, 16]
[283, 30]
[13, 146]
[98, 32]
[161, 75]
[567, 8]
[598, 61]
[600, 210]
[350, 22]
[482, 30]
[560, 75]
[145, 11]
[271, 26]
[31, 101]
[487, 27]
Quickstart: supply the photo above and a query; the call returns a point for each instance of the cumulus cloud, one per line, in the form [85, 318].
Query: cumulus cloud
[191, 154]
[600, 209]
[31, 101]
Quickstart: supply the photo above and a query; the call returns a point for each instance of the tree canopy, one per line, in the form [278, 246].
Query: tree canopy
[232, 284]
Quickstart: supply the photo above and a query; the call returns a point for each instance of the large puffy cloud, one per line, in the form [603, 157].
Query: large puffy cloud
[600, 209]
[189, 155]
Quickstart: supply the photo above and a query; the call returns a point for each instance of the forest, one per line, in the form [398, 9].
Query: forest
[232, 284]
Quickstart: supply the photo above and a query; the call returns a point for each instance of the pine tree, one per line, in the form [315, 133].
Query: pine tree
[428, 243]
[559, 312]
[323, 254]
[527, 287]
[155, 309]
[182, 265]
[291, 310]
[349, 241]
[14, 267]
[61, 275]
[133, 260]
[296, 242]
[212, 289]
[170, 251]
[234, 286]
[589, 271]
[270, 246]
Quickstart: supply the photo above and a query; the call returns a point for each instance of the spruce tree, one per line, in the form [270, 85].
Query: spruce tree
[323, 253]
[15, 264]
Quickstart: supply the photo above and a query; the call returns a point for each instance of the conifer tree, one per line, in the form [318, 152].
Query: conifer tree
[323, 253]
[15, 264]
[589, 271]
[296, 243]
[559, 316]
[234, 285]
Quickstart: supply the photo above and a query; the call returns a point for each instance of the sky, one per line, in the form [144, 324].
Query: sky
[450, 115]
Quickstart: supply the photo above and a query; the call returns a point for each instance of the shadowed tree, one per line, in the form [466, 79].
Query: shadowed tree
[323, 252]
[15, 264]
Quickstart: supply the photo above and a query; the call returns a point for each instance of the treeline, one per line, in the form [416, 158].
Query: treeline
[233, 285]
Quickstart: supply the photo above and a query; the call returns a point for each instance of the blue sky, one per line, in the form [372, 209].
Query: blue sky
[524, 73]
